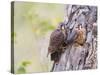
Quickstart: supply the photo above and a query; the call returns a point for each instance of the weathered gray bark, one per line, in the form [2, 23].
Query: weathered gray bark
[85, 56]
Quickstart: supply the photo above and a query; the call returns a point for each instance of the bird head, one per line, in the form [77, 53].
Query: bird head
[79, 26]
[61, 26]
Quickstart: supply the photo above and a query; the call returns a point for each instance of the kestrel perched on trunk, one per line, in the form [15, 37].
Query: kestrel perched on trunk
[56, 42]
[80, 35]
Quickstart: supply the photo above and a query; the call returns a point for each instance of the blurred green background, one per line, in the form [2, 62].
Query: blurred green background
[33, 24]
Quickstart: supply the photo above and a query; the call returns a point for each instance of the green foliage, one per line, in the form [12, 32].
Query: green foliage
[38, 16]
[21, 70]
[43, 27]
[26, 63]
[23, 66]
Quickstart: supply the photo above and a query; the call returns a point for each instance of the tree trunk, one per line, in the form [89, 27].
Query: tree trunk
[82, 56]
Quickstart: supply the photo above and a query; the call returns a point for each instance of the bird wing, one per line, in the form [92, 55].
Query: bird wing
[56, 38]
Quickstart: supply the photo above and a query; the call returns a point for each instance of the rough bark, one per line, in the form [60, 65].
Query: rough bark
[82, 56]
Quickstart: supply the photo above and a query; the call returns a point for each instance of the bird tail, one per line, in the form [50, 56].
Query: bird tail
[53, 67]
